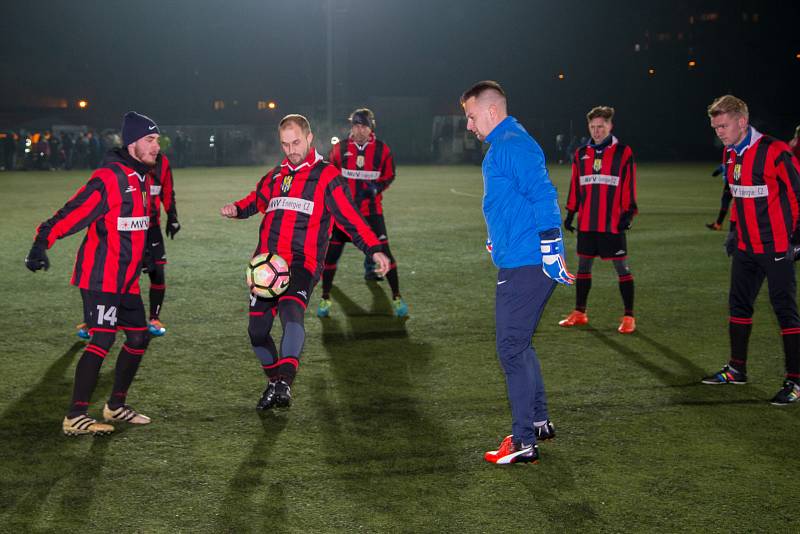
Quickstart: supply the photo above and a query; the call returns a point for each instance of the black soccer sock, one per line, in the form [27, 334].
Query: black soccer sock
[394, 281]
[739, 330]
[332, 256]
[158, 287]
[791, 352]
[127, 364]
[583, 284]
[156, 300]
[626, 290]
[721, 216]
[86, 373]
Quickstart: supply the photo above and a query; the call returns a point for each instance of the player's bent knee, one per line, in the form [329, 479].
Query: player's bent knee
[137, 339]
[104, 340]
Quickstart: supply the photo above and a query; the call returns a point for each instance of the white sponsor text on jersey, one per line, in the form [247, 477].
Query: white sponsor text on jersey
[361, 175]
[749, 191]
[604, 179]
[132, 224]
[291, 203]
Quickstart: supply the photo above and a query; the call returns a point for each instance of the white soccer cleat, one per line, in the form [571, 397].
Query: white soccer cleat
[125, 414]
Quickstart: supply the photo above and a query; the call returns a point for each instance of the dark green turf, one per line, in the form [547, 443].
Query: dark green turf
[391, 418]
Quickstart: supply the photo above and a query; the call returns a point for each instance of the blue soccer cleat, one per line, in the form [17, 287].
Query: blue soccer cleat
[156, 328]
[83, 331]
[400, 307]
[324, 308]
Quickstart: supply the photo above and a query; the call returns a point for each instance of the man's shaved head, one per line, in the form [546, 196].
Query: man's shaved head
[484, 106]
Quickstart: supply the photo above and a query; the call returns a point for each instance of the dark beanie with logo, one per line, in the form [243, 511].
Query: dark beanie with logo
[135, 126]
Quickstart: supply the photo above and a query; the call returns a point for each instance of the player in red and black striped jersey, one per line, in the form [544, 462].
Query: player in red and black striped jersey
[764, 240]
[368, 165]
[162, 192]
[300, 199]
[114, 207]
[603, 193]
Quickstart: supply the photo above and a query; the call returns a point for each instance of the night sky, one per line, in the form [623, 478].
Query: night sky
[173, 58]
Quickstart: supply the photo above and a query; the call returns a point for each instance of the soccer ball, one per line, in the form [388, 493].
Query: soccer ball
[267, 275]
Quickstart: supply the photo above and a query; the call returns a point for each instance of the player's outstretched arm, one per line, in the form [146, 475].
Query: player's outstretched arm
[229, 210]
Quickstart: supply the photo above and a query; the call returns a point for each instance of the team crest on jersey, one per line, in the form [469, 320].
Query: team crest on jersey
[737, 171]
[598, 164]
[287, 183]
[360, 162]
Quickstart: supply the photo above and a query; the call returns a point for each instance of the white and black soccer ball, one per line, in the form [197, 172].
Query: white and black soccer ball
[267, 275]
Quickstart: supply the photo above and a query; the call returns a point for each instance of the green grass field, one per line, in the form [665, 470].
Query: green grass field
[391, 418]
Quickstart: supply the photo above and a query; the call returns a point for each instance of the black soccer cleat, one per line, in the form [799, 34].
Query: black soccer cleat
[726, 375]
[267, 399]
[283, 394]
[789, 393]
[277, 395]
[545, 432]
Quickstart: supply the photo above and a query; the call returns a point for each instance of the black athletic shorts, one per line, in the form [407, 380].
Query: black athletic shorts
[109, 312]
[301, 284]
[604, 244]
[155, 253]
[376, 223]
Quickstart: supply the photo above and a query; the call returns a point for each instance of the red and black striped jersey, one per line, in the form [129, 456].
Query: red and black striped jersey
[603, 186]
[765, 184]
[365, 166]
[162, 190]
[114, 206]
[300, 205]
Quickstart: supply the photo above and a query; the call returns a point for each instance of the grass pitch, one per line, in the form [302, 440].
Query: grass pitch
[391, 417]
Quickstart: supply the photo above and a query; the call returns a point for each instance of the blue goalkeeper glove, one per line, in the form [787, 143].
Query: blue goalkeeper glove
[553, 263]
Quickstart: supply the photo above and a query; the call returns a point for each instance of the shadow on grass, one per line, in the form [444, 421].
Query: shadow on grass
[38, 460]
[236, 507]
[379, 441]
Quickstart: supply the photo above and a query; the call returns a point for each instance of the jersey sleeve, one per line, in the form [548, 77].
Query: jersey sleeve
[788, 172]
[87, 205]
[388, 171]
[257, 201]
[340, 204]
[628, 193]
[574, 184]
[335, 155]
[525, 164]
[168, 191]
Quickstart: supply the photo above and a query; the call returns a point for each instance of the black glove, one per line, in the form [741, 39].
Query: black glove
[371, 191]
[37, 258]
[568, 221]
[625, 221]
[731, 241]
[173, 226]
[148, 262]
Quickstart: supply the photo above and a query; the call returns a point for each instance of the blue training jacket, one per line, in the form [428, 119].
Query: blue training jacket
[519, 200]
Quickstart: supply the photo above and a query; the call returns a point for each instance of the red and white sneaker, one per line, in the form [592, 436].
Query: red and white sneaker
[511, 453]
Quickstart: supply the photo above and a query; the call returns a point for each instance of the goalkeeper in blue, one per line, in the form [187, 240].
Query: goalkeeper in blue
[520, 205]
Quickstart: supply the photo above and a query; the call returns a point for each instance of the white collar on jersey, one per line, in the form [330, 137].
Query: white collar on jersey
[308, 162]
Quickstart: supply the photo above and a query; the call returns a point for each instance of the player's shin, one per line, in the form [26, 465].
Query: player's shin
[130, 356]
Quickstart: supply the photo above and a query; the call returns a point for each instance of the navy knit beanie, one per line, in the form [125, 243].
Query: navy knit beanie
[135, 126]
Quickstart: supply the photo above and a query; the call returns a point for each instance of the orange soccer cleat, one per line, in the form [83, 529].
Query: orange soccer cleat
[627, 326]
[575, 318]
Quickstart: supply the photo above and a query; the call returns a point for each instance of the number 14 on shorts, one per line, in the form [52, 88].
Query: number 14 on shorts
[106, 316]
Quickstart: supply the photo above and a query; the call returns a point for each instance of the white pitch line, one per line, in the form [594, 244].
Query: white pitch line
[464, 194]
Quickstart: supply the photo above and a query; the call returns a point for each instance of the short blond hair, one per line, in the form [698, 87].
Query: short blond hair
[297, 120]
[603, 112]
[728, 104]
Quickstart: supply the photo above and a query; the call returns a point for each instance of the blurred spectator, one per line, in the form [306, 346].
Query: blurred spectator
[42, 153]
[56, 154]
[67, 146]
[10, 151]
